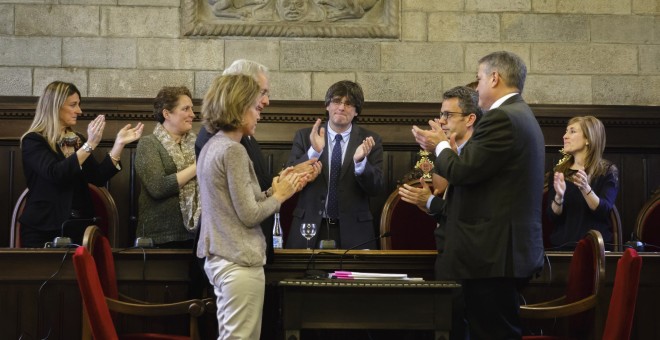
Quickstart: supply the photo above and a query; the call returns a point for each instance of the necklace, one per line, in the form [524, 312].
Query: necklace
[69, 143]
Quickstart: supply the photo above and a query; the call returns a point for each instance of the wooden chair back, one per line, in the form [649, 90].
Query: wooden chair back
[409, 227]
[585, 282]
[647, 226]
[105, 208]
[101, 277]
[15, 233]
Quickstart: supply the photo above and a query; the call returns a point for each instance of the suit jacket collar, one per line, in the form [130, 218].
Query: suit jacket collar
[510, 100]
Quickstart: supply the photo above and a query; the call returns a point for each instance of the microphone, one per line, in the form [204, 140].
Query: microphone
[145, 242]
[341, 259]
[329, 243]
[634, 243]
[63, 241]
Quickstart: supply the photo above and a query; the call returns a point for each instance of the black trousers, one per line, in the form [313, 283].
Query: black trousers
[492, 308]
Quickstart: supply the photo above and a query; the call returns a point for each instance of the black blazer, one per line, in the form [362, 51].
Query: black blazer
[494, 204]
[53, 179]
[355, 218]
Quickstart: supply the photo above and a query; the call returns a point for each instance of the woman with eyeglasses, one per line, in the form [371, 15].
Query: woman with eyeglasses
[584, 185]
[58, 165]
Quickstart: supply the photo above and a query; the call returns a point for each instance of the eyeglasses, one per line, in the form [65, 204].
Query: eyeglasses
[337, 101]
[264, 93]
[448, 114]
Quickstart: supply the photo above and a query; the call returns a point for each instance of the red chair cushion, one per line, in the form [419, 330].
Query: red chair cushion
[92, 294]
[100, 209]
[106, 267]
[581, 272]
[411, 228]
[624, 295]
[581, 283]
[651, 228]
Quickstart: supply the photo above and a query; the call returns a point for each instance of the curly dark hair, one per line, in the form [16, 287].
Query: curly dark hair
[167, 99]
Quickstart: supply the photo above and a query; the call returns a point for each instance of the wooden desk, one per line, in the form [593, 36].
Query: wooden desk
[163, 277]
[30, 311]
[366, 304]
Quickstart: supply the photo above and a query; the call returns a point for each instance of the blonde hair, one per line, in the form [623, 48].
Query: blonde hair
[46, 120]
[227, 99]
[594, 131]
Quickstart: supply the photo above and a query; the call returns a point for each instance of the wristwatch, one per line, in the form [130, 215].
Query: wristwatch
[88, 148]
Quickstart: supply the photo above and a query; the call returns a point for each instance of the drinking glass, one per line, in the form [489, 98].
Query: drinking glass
[308, 230]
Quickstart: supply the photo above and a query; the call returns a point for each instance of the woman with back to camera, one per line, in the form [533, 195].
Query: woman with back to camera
[231, 238]
[584, 185]
[58, 165]
[165, 163]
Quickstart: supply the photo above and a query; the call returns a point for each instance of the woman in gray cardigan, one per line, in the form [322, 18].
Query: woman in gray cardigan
[234, 206]
[165, 163]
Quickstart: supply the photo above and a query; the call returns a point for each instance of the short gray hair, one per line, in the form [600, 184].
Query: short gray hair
[510, 67]
[246, 67]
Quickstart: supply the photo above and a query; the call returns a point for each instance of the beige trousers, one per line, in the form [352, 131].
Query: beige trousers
[239, 294]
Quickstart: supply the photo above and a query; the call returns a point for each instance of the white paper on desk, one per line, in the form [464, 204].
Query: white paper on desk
[359, 275]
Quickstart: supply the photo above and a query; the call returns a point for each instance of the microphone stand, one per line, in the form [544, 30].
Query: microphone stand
[341, 259]
[146, 242]
[64, 241]
[329, 243]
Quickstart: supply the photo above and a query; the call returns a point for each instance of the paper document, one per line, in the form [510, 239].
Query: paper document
[373, 276]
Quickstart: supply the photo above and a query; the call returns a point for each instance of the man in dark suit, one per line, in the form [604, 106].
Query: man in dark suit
[493, 235]
[260, 73]
[459, 115]
[360, 175]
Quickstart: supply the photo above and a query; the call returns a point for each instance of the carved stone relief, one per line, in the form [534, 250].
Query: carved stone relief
[292, 18]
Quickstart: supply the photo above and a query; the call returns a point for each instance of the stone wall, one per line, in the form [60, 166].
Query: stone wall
[577, 52]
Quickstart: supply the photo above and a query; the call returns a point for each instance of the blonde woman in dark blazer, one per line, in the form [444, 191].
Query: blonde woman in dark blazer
[58, 164]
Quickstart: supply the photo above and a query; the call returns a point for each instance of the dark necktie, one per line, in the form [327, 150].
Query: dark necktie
[335, 171]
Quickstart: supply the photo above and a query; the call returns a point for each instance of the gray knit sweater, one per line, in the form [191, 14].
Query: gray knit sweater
[159, 212]
[233, 205]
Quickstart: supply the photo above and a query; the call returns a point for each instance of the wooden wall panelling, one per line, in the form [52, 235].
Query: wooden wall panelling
[632, 144]
[12, 184]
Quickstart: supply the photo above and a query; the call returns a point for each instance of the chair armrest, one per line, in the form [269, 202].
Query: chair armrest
[551, 303]
[193, 307]
[209, 305]
[549, 312]
[126, 298]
